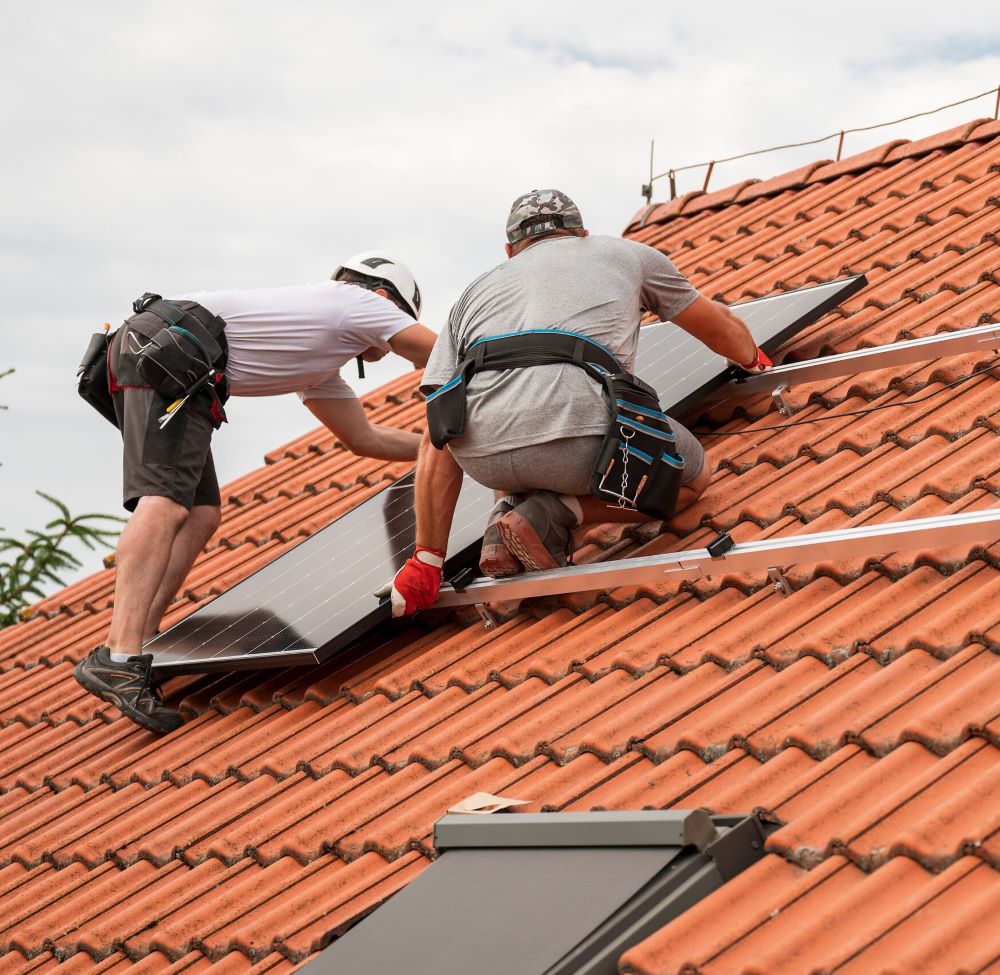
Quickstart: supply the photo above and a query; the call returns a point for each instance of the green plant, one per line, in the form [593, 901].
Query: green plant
[27, 565]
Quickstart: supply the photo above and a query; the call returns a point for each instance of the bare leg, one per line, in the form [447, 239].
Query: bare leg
[190, 540]
[142, 557]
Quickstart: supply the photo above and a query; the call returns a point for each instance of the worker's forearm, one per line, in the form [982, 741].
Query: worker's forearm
[729, 337]
[439, 481]
[388, 443]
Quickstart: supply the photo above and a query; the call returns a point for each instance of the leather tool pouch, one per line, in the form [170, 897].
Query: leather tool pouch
[92, 376]
[638, 466]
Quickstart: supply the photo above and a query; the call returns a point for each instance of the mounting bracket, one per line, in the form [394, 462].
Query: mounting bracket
[490, 621]
[778, 395]
[781, 584]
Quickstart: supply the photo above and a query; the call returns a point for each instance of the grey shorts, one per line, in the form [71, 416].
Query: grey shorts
[564, 466]
[175, 462]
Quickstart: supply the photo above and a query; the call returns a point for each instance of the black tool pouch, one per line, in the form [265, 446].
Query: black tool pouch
[638, 466]
[182, 355]
[178, 360]
[92, 377]
[446, 412]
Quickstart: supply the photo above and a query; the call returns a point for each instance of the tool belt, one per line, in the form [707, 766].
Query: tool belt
[178, 349]
[186, 353]
[638, 466]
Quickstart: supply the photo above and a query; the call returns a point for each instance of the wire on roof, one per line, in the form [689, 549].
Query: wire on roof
[671, 174]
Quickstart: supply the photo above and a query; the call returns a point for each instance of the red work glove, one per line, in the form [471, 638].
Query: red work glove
[760, 362]
[416, 585]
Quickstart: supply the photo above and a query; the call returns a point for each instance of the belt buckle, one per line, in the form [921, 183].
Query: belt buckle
[144, 301]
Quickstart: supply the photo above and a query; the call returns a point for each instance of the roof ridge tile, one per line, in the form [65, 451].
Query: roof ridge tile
[796, 179]
[948, 139]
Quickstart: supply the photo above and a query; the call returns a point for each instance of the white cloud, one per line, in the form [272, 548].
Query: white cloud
[239, 143]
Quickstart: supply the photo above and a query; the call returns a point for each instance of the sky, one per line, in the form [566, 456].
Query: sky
[210, 144]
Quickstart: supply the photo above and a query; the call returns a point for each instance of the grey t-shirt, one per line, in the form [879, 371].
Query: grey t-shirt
[593, 285]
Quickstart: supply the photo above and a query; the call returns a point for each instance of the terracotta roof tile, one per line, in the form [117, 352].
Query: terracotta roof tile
[858, 713]
[817, 921]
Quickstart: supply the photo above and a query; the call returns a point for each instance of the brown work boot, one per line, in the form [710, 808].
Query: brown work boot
[496, 560]
[539, 531]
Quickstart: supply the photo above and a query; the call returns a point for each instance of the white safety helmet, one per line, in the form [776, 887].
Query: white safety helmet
[385, 269]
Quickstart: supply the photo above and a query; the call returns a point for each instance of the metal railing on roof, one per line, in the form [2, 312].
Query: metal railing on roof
[671, 174]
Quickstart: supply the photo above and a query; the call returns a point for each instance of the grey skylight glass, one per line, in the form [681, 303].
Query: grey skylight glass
[545, 894]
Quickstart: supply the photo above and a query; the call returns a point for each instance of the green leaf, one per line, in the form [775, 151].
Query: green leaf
[42, 556]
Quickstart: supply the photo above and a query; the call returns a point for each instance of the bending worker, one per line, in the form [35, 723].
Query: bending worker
[258, 342]
[531, 393]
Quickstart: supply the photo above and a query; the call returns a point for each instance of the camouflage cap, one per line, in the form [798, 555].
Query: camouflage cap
[540, 212]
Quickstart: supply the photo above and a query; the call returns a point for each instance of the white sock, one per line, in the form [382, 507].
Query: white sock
[120, 658]
[574, 505]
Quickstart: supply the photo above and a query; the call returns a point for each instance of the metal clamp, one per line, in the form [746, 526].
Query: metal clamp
[722, 543]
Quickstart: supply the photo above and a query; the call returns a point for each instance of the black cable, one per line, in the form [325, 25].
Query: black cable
[838, 416]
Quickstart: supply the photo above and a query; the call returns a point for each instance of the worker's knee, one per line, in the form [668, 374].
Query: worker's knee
[162, 509]
[207, 517]
[699, 482]
[693, 489]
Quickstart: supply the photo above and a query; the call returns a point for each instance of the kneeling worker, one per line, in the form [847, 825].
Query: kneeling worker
[531, 389]
[195, 349]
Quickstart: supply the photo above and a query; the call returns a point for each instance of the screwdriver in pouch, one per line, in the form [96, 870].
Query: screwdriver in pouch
[175, 406]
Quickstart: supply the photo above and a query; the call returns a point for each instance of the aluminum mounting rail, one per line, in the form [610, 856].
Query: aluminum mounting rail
[781, 378]
[769, 554]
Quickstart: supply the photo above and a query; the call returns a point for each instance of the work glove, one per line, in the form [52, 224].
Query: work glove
[416, 585]
[761, 362]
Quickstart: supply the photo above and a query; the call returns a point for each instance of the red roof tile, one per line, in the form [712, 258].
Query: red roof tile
[858, 714]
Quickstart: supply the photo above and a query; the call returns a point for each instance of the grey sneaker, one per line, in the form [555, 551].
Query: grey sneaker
[130, 687]
[497, 560]
[539, 531]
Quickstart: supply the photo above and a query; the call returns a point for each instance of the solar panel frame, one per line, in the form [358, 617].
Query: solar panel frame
[272, 618]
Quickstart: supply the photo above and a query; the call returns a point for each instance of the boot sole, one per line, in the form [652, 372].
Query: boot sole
[107, 694]
[524, 542]
[497, 562]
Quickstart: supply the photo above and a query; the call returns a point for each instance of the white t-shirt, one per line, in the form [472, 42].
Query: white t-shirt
[295, 339]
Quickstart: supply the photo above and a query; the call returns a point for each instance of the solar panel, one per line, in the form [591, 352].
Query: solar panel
[315, 600]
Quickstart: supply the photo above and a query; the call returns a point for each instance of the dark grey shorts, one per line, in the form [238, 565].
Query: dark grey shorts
[564, 466]
[175, 462]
